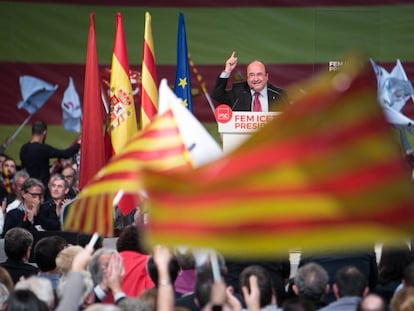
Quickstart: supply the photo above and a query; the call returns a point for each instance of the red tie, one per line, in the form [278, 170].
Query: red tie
[256, 103]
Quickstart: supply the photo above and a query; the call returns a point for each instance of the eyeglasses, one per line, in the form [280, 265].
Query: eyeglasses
[39, 195]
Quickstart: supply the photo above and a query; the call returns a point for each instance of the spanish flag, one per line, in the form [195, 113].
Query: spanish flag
[149, 83]
[122, 120]
[325, 175]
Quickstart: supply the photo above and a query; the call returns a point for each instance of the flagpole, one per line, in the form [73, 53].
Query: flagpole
[201, 83]
[9, 140]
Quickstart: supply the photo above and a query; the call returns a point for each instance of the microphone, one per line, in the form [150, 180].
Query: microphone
[274, 91]
[235, 103]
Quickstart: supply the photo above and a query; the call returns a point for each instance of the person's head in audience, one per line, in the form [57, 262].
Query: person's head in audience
[46, 251]
[17, 244]
[65, 258]
[403, 300]
[18, 181]
[41, 287]
[130, 240]
[202, 291]
[408, 275]
[106, 307]
[100, 262]
[6, 279]
[39, 130]
[25, 300]
[32, 193]
[372, 302]
[297, 304]
[4, 295]
[3, 158]
[9, 166]
[134, 304]
[65, 162]
[349, 281]
[149, 296]
[185, 259]
[58, 187]
[392, 262]
[173, 269]
[264, 282]
[69, 174]
[311, 282]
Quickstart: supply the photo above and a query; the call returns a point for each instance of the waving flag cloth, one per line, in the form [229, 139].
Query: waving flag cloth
[149, 83]
[123, 123]
[394, 90]
[71, 109]
[182, 86]
[122, 120]
[329, 176]
[92, 156]
[159, 146]
[200, 145]
[35, 93]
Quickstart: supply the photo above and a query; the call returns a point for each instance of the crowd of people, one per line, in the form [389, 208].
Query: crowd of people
[52, 273]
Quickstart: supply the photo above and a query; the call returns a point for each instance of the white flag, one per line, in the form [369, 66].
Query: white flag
[35, 93]
[201, 146]
[71, 109]
[394, 90]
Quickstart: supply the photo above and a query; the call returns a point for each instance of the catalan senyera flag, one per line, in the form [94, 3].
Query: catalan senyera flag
[149, 83]
[327, 174]
[182, 85]
[6, 180]
[122, 120]
[159, 146]
[92, 155]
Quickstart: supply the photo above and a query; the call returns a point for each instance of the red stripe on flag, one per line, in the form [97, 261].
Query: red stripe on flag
[393, 217]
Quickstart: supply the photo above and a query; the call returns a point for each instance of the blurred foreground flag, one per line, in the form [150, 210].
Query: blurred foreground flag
[71, 109]
[159, 146]
[325, 175]
[35, 93]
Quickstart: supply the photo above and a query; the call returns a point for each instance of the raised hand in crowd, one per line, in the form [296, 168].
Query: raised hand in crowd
[252, 295]
[165, 298]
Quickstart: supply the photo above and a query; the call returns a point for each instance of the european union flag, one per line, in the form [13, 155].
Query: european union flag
[182, 86]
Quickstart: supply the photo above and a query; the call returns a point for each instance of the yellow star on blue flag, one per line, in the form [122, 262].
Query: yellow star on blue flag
[182, 82]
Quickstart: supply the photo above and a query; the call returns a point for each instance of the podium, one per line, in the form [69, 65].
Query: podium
[236, 126]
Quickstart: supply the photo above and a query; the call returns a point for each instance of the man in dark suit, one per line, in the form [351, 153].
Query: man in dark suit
[241, 96]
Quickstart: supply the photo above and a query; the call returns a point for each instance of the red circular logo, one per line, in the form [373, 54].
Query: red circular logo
[223, 113]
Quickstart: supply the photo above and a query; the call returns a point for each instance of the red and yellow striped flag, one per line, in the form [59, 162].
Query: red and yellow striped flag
[325, 175]
[158, 147]
[6, 180]
[149, 83]
[122, 120]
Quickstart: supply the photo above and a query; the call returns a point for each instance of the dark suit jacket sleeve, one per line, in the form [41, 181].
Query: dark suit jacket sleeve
[219, 92]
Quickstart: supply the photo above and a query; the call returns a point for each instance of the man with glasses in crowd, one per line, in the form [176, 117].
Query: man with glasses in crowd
[25, 215]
